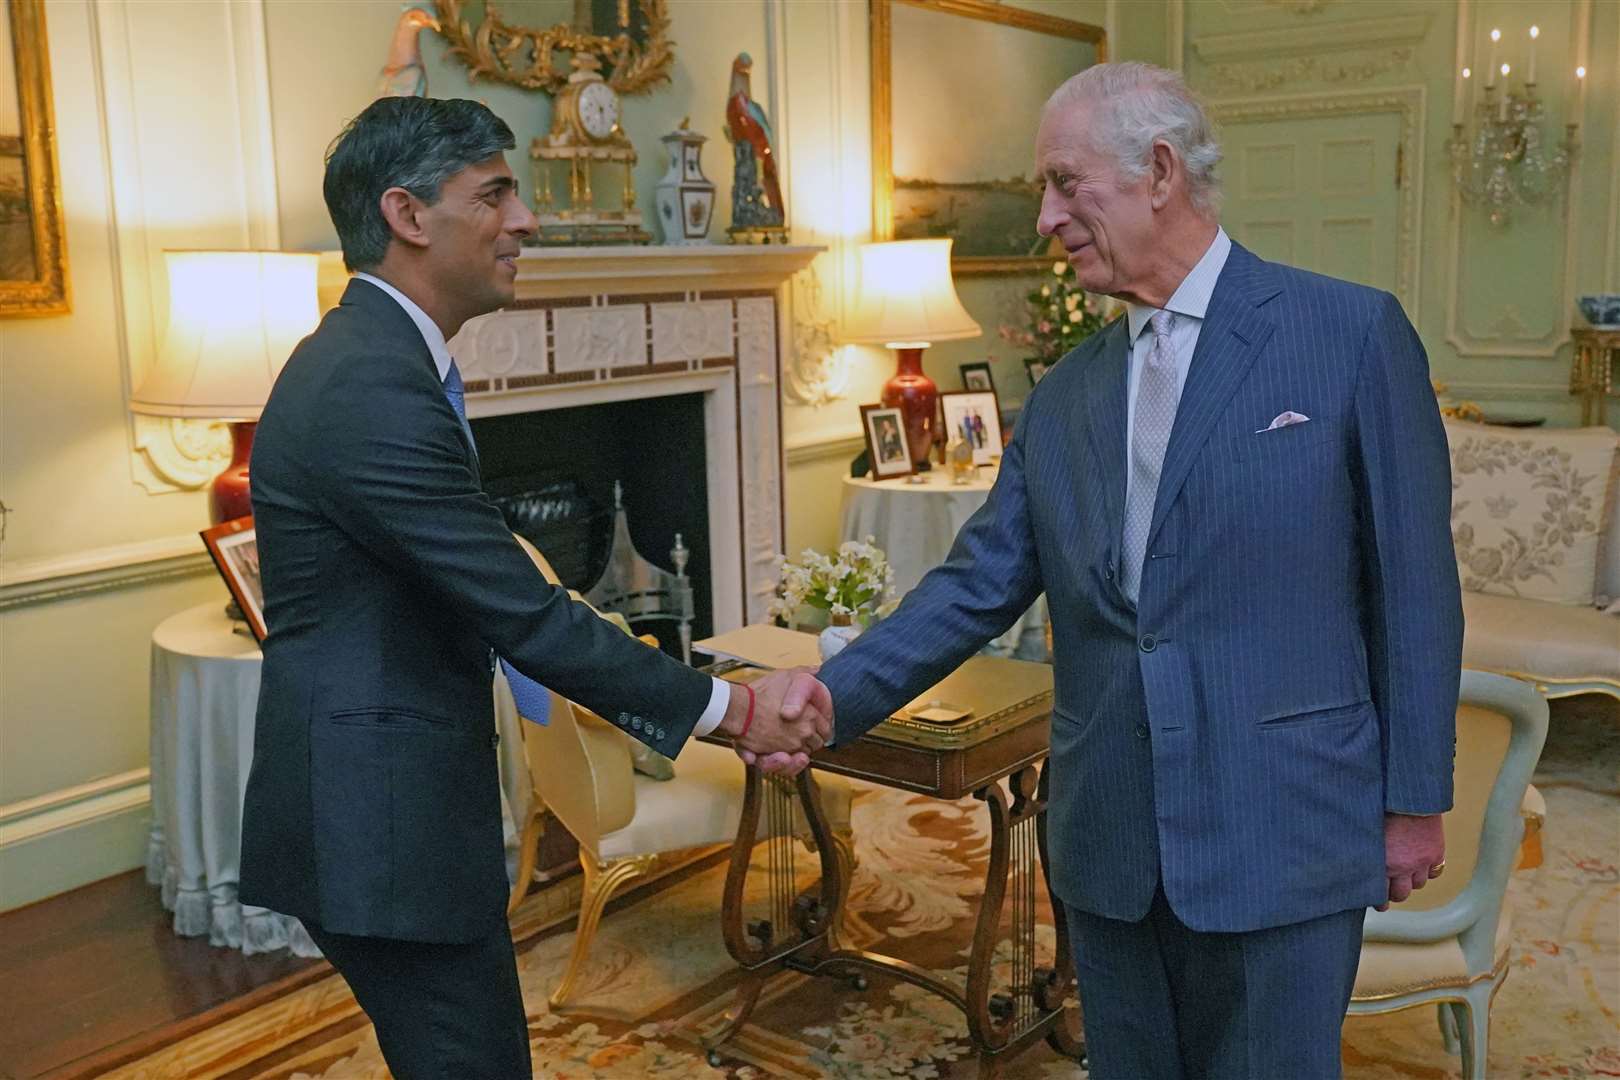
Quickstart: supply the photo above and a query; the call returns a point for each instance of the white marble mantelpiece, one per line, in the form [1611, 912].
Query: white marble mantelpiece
[599, 324]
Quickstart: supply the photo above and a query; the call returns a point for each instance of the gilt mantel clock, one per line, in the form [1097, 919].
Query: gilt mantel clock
[583, 168]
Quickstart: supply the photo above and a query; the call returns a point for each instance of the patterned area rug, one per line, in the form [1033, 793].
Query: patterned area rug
[915, 895]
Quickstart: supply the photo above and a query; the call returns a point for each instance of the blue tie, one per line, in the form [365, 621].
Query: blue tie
[533, 702]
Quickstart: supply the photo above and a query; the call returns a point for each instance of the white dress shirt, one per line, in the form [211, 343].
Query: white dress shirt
[720, 693]
[1188, 303]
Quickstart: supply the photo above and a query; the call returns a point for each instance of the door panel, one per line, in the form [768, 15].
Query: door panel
[1317, 192]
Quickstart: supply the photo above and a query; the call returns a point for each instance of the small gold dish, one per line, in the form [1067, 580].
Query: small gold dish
[941, 712]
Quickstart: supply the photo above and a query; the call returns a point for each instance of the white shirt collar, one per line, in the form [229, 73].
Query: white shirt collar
[430, 329]
[1191, 297]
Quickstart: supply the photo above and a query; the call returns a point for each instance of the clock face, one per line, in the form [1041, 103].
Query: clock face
[598, 110]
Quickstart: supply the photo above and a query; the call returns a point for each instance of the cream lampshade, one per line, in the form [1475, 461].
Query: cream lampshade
[907, 301]
[234, 318]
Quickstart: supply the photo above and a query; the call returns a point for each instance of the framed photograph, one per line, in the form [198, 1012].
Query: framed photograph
[885, 429]
[234, 547]
[942, 164]
[976, 376]
[975, 417]
[1036, 369]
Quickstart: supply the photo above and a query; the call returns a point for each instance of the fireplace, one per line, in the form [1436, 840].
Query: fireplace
[659, 368]
[573, 461]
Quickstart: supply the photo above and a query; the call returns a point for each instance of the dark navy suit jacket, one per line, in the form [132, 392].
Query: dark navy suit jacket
[1291, 670]
[390, 582]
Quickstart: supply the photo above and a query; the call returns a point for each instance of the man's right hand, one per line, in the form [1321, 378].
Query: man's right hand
[792, 719]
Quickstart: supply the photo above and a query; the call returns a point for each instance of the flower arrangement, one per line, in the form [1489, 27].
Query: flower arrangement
[856, 580]
[1058, 316]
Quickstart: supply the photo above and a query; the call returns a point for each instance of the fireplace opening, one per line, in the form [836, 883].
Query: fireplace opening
[553, 472]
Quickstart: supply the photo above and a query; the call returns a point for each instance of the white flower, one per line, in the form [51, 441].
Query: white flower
[1071, 301]
[1057, 269]
[1076, 315]
[1046, 290]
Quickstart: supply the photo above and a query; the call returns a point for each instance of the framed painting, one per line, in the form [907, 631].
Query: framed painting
[942, 163]
[33, 246]
[234, 547]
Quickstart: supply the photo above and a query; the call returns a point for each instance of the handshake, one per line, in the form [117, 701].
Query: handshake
[792, 718]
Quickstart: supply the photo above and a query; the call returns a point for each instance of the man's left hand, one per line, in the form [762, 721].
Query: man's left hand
[1414, 852]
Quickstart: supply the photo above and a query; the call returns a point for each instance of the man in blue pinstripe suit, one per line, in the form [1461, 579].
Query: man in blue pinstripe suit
[1236, 500]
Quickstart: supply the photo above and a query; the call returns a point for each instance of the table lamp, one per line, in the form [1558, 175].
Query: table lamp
[234, 317]
[907, 302]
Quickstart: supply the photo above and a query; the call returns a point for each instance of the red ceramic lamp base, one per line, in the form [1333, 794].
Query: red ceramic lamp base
[229, 498]
[918, 400]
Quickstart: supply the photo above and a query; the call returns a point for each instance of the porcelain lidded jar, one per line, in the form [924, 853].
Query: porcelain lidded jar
[685, 196]
[839, 632]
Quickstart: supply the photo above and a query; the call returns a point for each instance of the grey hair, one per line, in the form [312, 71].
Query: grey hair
[1138, 104]
[407, 142]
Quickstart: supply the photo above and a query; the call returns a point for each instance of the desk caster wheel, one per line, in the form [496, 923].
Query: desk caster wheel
[858, 982]
[714, 1059]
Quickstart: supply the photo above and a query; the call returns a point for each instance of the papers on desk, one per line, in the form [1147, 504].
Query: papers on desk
[764, 645]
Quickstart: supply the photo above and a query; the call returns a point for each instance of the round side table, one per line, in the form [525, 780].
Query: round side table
[915, 525]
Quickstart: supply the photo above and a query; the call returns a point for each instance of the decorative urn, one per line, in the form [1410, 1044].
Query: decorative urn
[685, 196]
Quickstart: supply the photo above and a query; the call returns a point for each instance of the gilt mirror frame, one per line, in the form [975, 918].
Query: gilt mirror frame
[45, 291]
[523, 56]
[883, 179]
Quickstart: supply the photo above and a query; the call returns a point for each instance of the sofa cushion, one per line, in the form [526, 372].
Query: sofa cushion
[1529, 509]
[1553, 641]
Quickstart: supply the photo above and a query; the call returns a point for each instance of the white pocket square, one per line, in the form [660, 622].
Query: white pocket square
[1284, 420]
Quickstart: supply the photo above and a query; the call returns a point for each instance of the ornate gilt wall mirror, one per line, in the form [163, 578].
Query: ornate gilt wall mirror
[957, 90]
[33, 248]
[516, 41]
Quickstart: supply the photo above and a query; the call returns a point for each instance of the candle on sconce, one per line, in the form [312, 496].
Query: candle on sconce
[1530, 73]
[1490, 67]
[1501, 106]
[1580, 93]
[1460, 99]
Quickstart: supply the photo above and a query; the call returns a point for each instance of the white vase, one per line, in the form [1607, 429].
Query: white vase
[685, 197]
[835, 638]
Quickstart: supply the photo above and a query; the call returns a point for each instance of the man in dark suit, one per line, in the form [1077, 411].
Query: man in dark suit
[392, 586]
[1236, 500]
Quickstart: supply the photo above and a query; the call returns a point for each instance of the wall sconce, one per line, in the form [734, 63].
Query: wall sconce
[1502, 162]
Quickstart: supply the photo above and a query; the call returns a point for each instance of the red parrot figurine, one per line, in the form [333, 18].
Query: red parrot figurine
[756, 193]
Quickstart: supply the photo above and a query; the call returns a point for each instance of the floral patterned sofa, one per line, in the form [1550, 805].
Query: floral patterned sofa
[1535, 518]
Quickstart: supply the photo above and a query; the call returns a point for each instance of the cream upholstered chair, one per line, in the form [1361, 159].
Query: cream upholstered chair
[580, 768]
[1448, 944]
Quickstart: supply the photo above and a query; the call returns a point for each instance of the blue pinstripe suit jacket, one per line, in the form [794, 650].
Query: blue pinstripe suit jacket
[1291, 671]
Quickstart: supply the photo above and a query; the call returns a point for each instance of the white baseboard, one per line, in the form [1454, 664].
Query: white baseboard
[73, 807]
[68, 838]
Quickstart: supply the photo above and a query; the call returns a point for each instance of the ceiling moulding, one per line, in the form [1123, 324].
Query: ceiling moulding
[1317, 37]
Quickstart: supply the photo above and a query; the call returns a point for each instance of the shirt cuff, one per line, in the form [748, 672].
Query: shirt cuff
[719, 700]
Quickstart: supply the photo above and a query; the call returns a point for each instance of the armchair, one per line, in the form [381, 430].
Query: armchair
[1448, 944]
[580, 769]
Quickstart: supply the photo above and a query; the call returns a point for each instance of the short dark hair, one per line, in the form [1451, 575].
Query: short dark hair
[408, 142]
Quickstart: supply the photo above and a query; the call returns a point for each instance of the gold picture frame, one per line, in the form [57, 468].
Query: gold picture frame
[1011, 196]
[33, 244]
[638, 57]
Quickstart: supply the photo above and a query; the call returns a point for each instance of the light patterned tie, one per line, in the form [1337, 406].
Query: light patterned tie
[1158, 392]
[532, 700]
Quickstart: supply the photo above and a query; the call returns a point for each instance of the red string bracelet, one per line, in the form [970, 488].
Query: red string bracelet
[748, 721]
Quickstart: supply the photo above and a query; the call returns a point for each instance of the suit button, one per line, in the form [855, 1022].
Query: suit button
[1148, 643]
[635, 723]
[1141, 731]
[624, 719]
[495, 740]
[659, 735]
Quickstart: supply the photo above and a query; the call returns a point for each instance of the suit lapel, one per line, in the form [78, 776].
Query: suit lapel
[1233, 333]
[1105, 404]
